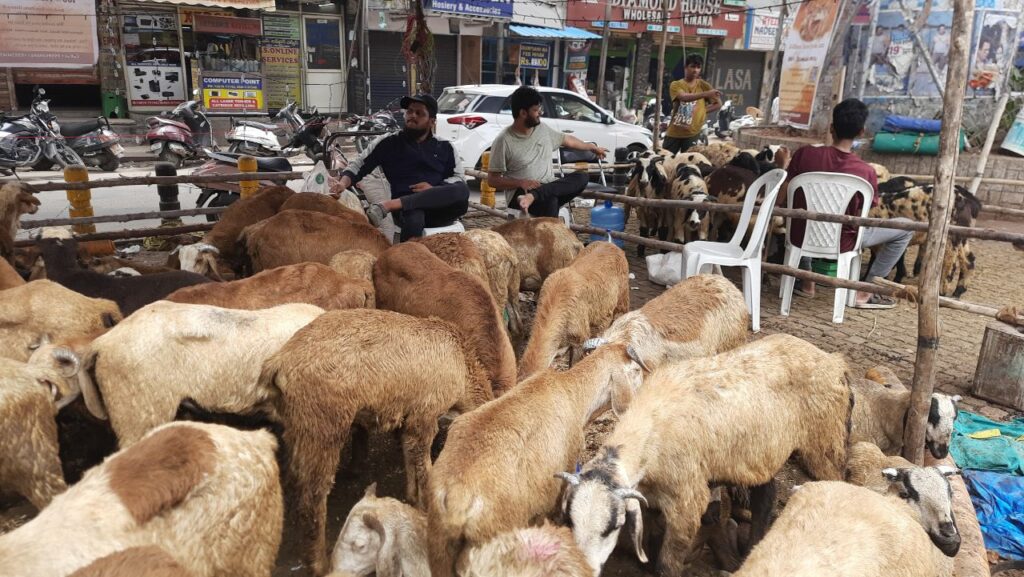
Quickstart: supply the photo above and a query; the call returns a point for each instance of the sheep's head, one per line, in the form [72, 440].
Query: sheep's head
[939, 430]
[362, 538]
[927, 491]
[624, 369]
[19, 196]
[58, 370]
[600, 502]
[198, 258]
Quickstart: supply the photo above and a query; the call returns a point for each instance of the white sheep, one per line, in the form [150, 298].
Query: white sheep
[546, 551]
[495, 472]
[865, 463]
[382, 537]
[734, 419]
[209, 495]
[44, 308]
[576, 303]
[139, 372]
[841, 530]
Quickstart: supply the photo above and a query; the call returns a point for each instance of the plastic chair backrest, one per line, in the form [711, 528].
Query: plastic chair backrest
[827, 192]
[572, 156]
[770, 182]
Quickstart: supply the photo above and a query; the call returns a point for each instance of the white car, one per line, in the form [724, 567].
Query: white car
[470, 117]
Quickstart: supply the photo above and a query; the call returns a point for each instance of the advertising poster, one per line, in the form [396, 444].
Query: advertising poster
[232, 94]
[47, 34]
[577, 60]
[153, 64]
[995, 43]
[762, 26]
[534, 56]
[281, 53]
[806, 47]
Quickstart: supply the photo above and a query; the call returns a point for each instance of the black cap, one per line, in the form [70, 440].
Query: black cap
[424, 99]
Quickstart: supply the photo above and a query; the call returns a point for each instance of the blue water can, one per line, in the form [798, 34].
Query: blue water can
[608, 217]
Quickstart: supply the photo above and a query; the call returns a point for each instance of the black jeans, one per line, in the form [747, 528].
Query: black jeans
[549, 197]
[677, 145]
[434, 207]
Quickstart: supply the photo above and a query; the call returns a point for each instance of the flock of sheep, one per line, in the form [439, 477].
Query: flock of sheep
[329, 330]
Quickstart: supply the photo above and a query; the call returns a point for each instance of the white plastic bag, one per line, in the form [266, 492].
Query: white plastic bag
[316, 180]
[665, 269]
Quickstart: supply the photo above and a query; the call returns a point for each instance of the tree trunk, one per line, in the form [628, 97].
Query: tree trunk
[642, 74]
[938, 222]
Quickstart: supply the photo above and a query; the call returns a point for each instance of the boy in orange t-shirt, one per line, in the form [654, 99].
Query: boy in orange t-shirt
[692, 99]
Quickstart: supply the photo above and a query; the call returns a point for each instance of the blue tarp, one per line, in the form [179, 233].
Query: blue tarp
[999, 501]
[1004, 454]
[895, 123]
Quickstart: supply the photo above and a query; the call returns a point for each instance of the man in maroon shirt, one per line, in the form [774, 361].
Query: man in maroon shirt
[848, 119]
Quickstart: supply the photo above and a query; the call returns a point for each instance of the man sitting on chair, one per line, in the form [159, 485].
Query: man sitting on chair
[848, 119]
[428, 187]
[521, 158]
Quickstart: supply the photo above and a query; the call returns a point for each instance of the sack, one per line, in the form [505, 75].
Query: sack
[665, 269]
[316, 180]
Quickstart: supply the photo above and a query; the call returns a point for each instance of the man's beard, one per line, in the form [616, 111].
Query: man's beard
[531, 122]
[415, 133]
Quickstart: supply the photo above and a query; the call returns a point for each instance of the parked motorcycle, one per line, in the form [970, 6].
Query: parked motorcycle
[224, 193]
[25, 140]
[181, 134]
[93, 140]
[259, 139]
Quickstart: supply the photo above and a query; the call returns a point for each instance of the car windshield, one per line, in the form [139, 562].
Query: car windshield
[454, 102]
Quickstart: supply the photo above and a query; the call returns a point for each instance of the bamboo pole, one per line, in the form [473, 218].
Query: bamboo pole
[942, 195]
[30, 224]
[990, 139]
[922, 52]
[133, 233]
[661, 73]
[184, 179]
[949, 303]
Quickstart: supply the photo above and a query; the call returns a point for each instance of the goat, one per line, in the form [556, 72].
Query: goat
[294, 236]
[729, 184]
[647, 179]
[689, 224]
[16, 199]
[409, 279]
[543, 246]
[208, 493]
[130, 293]
[669, 443]
[309, 282]
[400, 370]
[576, 303]
[382, 537]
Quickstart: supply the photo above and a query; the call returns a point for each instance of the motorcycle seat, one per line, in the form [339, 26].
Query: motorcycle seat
[269, 164]
[80, 128]
[254, 124]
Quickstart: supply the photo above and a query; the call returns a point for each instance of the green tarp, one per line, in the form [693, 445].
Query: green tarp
[1004, 453]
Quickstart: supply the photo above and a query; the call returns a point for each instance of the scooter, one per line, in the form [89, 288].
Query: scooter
[25, 140]
[93, 140]
[224, 193]
[259, 139]
[181, 134]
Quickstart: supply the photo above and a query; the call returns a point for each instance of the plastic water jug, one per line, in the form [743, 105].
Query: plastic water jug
[609, 217]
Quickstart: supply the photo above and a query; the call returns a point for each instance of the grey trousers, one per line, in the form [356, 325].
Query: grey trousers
[892, 244]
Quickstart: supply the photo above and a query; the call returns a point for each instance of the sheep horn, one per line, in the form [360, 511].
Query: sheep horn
[591, 344]
[630, 494]
[203, 247]
[65, 355]
[568, 477]
[636, 358]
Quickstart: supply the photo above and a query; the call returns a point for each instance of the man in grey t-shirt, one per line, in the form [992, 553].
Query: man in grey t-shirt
[521, 159]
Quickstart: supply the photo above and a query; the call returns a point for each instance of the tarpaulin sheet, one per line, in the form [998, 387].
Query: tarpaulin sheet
[1003, 454]
[895, 123]
[999, 501]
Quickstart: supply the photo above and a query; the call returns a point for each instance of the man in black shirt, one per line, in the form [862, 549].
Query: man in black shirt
[428, 187]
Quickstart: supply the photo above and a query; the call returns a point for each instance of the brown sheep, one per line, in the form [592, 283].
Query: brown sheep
[357, 264]
[16, 199]
[503, 274]
[400, 370]
[317, 202]
[44, 307]
[729, 185]
[543, 246]
[147, 561]
[409, 279]
[308, 282]
[8, 276]
[576, 303]
[459, 253]
[209, 493]
[221, 241]
[546, 551]
[294, 236]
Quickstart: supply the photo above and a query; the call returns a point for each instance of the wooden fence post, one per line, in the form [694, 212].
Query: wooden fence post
[168, 192]
[938, 223]
[81, 200]
[247, 187]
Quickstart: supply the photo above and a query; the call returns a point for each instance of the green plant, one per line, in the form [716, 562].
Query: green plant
[1015, 86]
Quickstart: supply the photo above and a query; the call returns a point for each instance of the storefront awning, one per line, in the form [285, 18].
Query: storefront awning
[236, 4]
[538, 32]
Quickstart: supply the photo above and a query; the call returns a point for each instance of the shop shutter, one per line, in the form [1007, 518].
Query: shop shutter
[446, 53]
[387, 68]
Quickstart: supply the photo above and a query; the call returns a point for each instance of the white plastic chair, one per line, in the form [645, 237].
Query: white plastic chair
[702, 254]
[827, 192]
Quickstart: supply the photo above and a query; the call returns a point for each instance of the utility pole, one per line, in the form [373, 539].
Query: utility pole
[499, 65]
[604, 53]
[661, 73]
[938, 227]
[766, 104]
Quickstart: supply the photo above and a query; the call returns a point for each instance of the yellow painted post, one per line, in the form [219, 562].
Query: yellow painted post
[248, 187]
[486, 191]
[81, 200]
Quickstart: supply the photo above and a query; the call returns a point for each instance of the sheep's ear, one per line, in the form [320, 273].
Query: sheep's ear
[371, 491]
[956, 398]
[622, 395]
[635, 527]
[636, 358]
[374, 524]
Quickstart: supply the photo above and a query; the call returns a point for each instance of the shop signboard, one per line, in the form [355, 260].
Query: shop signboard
[48, 34]
[491, 9]
[232, 93]
[738, 74]
[534, 56]
[691, 17]
[806, 46]
[153, 63]
[281, 53]
[228, 26]
[762, 26]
